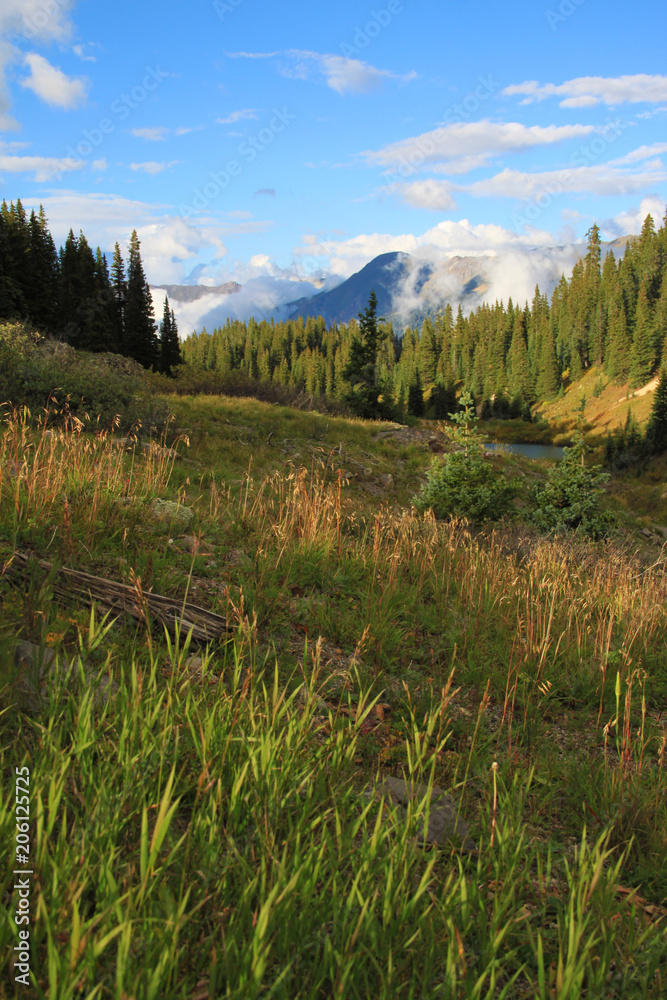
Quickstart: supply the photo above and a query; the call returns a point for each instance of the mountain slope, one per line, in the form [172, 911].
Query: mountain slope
[385, 274]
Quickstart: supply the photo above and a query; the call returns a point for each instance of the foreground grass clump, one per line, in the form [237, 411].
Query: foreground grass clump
[205, 834]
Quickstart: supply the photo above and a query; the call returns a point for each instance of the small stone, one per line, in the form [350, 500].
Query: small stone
[387, 481]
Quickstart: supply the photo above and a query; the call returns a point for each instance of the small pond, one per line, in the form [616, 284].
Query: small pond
[551, 451]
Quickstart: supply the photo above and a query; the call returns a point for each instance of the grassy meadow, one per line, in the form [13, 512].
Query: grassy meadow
[205, 834]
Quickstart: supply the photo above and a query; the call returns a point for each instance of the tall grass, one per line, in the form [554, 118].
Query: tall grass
[208, 835]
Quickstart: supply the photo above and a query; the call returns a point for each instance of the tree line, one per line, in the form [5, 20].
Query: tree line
[73, 295]
[611, 313]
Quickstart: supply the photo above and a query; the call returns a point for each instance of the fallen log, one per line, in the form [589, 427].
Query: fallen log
[130, 600]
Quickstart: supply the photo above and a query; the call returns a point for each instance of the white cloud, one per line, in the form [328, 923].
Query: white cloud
[99, 164]
[43, 168]
[345, 76]
[449, 238]
[156, 133]
[153, 166]
[599, 179]
[462, 146]
[430, 194]
[53, 86]
[170, 245]
[643, 153]
[586, 91]
[631, 221]
[237, 116]
[27, 19]
[78, 50]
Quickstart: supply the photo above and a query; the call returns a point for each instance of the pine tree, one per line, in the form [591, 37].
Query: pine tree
[139, 320]
[43, 274]
[361, 370]
[619, 346]
[643, 348]
[548, 379]
[656, 431]
[416, 397]
[170, 351]
[520, 380]
[119, 298]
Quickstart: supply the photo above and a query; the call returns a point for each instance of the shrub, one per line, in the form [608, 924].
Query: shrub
[571, 499]
[464, 483]
[35, 371]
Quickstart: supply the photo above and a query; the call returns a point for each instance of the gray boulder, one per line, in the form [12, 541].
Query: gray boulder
[36, 669]
[445, 826]
[174, 514]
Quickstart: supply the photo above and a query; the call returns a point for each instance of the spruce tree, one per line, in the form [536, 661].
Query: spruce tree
[361, 370]
[170, 350]
[119, 298]
[643, 348]
[139, 320]
[656, 432]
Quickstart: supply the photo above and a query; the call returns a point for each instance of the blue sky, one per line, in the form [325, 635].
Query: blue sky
[275, 142]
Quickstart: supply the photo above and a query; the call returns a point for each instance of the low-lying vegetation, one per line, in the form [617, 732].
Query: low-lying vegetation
[203, 831]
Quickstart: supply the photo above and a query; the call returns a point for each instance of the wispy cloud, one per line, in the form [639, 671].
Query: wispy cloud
[599, 179]
[463, 146]
[78, 50]
[53, 86]
[271, 192]
[43, 168]
[587, 91]
[156, 133]
[345, 76]
[237, 116]
[153, 166]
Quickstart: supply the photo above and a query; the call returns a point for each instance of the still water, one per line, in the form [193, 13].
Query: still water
[552, 451]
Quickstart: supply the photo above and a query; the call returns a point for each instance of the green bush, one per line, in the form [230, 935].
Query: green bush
[464, 483]
[571, 499]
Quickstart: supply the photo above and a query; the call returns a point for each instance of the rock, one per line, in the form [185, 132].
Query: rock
[646, 533]
[444, 825]
[237, 557]
[387, 481]
[36, 667]
[171, 513]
